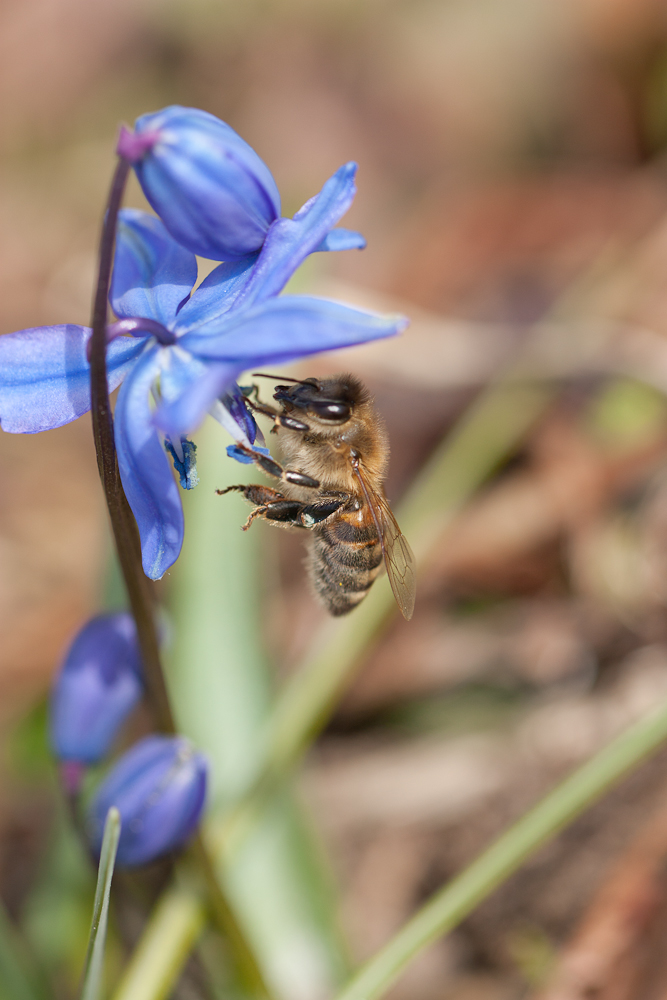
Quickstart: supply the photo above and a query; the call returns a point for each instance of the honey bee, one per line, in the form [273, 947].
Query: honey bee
[336, 450]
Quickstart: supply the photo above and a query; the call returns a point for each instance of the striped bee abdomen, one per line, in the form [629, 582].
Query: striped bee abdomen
[345, 558]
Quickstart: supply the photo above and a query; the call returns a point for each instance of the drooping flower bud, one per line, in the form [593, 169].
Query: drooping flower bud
[97, 686]
[159, 788]
[214, 194]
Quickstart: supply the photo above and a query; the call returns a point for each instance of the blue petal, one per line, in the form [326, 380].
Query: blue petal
[183, 414]
[287, 328]
[343, 239]
[235, 403]
[289, 241]
[216, 294]
[178, 370]
[145, 471]
[235, 452]
[210, 188]
[152, 274]
[45, 375]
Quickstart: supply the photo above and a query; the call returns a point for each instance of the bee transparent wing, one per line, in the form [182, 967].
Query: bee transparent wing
[398, 557]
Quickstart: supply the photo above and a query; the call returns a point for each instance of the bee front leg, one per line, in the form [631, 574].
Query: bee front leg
[279, 419]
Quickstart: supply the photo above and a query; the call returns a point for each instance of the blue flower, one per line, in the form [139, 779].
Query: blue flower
[97, 686]
[182, 351]
[212, 191]
[159, 788]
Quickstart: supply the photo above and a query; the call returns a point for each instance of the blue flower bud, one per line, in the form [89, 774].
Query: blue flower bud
[159, 787]
[212, 191]
[97, 686]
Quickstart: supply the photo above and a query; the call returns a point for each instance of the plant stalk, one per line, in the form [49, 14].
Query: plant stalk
[139, 590]
[123, 524]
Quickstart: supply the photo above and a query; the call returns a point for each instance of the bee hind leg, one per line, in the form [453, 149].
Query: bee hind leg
[270, 505]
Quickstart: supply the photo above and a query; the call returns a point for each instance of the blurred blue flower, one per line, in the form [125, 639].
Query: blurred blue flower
[183, 351]
[159, 788]
[97, 686]
[212, 191]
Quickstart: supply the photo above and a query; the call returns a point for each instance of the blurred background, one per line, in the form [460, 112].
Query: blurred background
[513, 191]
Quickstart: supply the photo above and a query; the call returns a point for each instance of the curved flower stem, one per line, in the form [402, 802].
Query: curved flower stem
[126, 537]
[123, 525]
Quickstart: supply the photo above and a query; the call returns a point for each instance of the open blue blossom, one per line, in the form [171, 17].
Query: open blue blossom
[159, 788]
[212, 191]
[97, 686]
[179, 352]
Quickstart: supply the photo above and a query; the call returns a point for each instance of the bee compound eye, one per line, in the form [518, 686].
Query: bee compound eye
[328, 410]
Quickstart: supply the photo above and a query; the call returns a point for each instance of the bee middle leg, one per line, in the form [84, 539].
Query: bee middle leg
[273, 468]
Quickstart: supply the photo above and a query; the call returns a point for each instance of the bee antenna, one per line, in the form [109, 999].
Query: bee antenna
[277, 378]
[283, 378]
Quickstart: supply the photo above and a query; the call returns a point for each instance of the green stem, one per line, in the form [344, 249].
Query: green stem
[123, 525]
[248, 969]
[172, 932]
[453, 903]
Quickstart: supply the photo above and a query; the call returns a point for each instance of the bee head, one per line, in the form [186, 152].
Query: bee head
[330, 400]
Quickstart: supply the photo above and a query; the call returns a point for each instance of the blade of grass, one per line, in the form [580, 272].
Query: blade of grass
[92, 975]
[558, 808]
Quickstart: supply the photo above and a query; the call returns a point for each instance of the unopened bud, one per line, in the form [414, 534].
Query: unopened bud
[97, 686]
[212, 191]
[159, 788]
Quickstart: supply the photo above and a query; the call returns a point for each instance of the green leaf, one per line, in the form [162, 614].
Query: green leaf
[220, 686]
[17, 981]
[92, 974]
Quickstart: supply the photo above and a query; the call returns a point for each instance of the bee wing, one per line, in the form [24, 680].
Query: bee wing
[398, 557]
